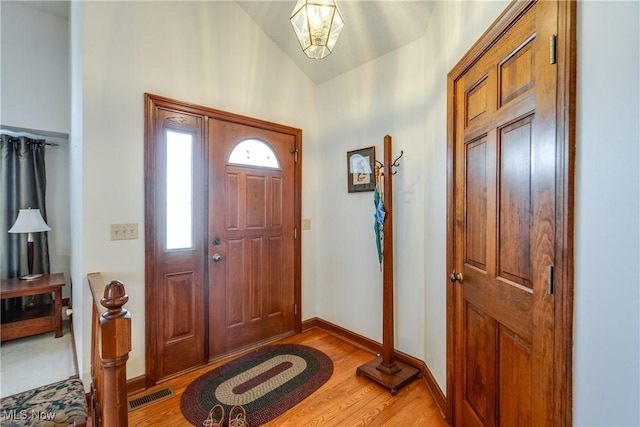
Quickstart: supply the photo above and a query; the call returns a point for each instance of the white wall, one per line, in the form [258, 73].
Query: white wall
[35, 69]
[358, 109]
[207, 53]
[607, 319]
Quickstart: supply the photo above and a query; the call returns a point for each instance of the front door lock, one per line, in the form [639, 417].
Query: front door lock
[216, 258]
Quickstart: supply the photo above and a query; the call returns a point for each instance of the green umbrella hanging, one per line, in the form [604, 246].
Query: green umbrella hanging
[379, 221]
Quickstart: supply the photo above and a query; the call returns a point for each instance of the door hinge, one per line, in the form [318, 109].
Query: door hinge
[550, 280]
[552, 49]
[295, 233]
[295, 155]
[295, 309]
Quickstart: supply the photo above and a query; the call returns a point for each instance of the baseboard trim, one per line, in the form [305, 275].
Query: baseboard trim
[136, 385]
[434, 389]
[376, 347]
[309, 324]
[359, 341]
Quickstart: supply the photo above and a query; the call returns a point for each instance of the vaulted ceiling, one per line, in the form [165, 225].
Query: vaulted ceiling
[372, 29]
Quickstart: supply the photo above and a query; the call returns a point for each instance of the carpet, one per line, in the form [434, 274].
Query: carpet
[27, 362]
[266, 382]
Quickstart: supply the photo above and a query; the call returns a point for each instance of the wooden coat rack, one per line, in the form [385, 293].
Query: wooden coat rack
[384, 369]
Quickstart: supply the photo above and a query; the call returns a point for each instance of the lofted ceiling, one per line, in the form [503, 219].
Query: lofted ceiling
[372, 29]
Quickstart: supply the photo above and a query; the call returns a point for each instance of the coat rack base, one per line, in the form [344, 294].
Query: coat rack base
[377, 371]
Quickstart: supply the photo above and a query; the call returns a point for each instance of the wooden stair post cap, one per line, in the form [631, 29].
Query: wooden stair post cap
[113, 300]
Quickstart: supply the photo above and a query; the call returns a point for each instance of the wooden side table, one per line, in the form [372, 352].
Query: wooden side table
[18, 323]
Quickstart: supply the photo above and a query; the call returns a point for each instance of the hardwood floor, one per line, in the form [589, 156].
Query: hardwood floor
[344, 400]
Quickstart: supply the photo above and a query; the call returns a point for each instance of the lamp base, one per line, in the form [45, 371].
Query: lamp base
[30, 276]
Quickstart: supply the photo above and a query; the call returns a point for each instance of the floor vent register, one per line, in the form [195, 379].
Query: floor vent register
[149, 398]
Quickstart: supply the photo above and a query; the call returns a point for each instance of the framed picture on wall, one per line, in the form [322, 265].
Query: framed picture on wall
[361, 170]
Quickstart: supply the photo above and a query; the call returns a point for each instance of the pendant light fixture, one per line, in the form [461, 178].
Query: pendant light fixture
[317, 24]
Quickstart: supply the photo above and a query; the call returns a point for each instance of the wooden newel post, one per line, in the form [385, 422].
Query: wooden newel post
[386, 370]
[115, 325]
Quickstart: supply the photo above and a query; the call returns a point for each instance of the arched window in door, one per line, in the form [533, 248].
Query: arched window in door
[253, 152]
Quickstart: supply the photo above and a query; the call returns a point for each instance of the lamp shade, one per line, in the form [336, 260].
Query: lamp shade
[29, 221]
[317, 24]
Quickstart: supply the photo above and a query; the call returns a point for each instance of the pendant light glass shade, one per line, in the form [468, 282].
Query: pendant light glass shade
[317, 24]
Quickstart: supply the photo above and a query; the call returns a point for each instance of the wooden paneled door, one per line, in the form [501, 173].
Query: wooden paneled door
[223, 252]
[251, 235]
[509, 199]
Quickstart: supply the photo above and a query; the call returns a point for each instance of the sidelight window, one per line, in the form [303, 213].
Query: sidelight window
[179, 190]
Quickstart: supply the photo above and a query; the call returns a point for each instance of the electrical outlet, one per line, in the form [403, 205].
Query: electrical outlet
[124, 231]
[306, 224]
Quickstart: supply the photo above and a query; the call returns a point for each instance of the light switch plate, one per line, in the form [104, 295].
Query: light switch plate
[306, 224]
[124, 231]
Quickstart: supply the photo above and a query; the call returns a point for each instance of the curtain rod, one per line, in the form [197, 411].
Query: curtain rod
[34, 134]
[53, 144]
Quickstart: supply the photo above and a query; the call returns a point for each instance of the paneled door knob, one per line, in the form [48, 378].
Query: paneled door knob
[455, 276]
[216, 258]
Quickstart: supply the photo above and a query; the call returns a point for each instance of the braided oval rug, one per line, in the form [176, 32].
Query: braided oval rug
[266, 382]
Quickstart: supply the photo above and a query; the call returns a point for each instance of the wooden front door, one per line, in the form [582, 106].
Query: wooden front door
[506, 240]
[251, 235]
[222, 209]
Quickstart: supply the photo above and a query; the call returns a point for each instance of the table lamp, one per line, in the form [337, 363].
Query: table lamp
[29, 221]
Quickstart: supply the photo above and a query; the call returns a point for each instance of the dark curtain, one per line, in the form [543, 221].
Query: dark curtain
[22, 185]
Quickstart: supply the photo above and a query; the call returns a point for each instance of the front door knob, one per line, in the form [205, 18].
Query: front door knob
[216, 258]
[455, 276]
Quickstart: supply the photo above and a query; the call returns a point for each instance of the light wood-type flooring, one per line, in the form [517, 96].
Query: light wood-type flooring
[344, 400]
